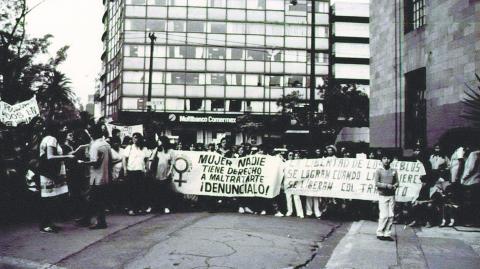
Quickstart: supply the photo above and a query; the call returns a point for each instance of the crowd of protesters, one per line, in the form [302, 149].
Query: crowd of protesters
[79, 171]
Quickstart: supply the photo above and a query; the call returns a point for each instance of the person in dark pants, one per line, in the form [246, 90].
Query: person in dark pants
[134, 167]
[100, 177]
[160, 168]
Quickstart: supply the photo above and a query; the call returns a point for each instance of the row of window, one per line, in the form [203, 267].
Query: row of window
[201, 105]
[191, 26]
[231, 40]
[222, 53]
[217, 79]
[302, 5]
[228, 66]
[224, 14]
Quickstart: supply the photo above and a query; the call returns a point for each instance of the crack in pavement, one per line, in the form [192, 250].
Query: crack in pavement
[166, 237]
[314, 250]
[102, 239]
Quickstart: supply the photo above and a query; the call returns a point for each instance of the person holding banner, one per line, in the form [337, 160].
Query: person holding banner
[311, 200]
[134, 167]
[295, 197]
[386, 181]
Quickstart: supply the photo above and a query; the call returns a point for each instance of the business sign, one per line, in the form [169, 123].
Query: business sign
[24, 112]
[209, 173]
[202, 119]
[349, 178]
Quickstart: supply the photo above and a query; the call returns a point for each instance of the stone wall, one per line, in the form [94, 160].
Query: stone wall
[448, 45]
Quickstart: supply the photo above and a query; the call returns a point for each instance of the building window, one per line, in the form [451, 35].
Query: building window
[155, 25]
[178, 78]
[237, 54]
[274, 81]
[414, 14]
[179, 26]
[216, 53]
[191, 78]
[256, 55]
[195, 104]
[235, 106]
[195, 27]
[295, 81]
[217, 79]
[218, 104]
[218, 28]
[415, 108]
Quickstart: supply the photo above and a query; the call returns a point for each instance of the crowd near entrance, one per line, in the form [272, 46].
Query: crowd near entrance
[84, 169]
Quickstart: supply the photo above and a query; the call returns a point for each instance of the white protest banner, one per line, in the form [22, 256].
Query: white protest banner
[24, 112]
[125, 130]
[209, 173]
[349, 178]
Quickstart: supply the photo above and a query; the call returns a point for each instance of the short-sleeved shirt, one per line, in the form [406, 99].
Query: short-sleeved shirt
[136, 158]
[100, 175]
[164, 162]
[49, 187]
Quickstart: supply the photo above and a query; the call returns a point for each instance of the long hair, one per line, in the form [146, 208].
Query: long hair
[140, 144]
[165, 143]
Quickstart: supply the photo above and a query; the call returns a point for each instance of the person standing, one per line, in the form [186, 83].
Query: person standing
[100, 176]
[160, 165]
[134, 167]
[52, 175]
[386, 181]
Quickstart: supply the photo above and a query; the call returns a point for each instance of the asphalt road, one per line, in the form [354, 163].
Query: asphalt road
[189, 240]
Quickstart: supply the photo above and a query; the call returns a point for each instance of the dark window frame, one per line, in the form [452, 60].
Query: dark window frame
[414, 13]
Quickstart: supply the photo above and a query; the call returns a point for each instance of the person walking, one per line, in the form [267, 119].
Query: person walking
[386, 181]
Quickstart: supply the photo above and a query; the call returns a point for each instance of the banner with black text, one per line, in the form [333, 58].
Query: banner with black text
[209, 173]
[349, 178]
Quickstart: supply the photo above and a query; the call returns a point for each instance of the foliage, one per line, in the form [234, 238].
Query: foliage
[347, 102]
[21, 75]
[472, 103]
[249, 125]
[291, 111]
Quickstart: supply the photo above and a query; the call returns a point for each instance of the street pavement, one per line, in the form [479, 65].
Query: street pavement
[230, 240]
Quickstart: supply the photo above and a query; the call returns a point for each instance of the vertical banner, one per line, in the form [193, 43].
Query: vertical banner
[209, 173]
[349, 178]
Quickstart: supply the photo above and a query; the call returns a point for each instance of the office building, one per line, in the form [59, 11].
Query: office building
[213, 61]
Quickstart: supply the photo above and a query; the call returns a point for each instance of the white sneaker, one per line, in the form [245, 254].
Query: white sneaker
[166, 211]
[149, 209]
[263, 212]
[241, 210]
[248, 210]
[278, 214]
[288, 214]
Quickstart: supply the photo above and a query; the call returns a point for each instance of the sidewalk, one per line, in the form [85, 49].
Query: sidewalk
[413, 248]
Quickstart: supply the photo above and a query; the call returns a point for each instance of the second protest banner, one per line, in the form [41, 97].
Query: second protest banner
[348, 178]
[209, 173]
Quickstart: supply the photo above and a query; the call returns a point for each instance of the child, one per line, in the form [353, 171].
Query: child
[386, 181]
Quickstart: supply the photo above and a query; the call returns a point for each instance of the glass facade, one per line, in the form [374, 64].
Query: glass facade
[211, 56]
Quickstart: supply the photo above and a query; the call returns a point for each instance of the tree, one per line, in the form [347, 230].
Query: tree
[472, 103]
[292, 112]
[55, 96]
[20, 76]
[347, 103]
